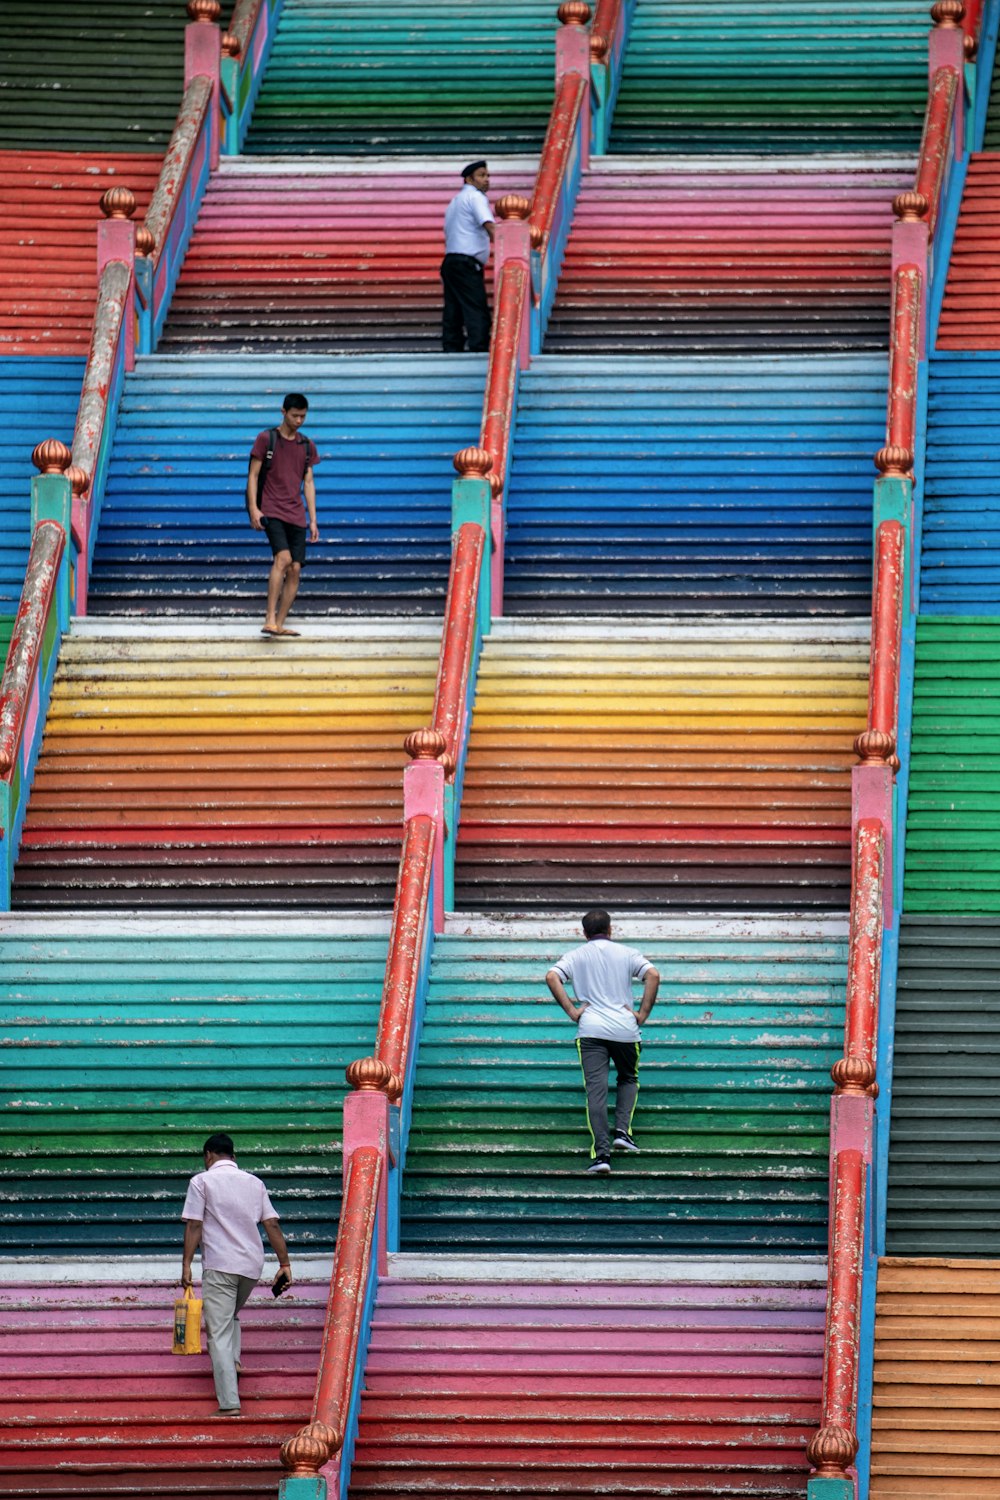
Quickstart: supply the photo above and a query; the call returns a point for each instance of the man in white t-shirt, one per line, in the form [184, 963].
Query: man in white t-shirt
[468, 234]
[602, 973]
[221, 1213]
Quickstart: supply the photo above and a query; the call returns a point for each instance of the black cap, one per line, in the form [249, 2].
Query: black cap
[472, 167]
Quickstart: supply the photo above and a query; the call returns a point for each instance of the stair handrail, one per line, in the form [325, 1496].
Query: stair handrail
[42, 617]
[876, 815]
[608, 40]
[246, 46]
[356, 1264]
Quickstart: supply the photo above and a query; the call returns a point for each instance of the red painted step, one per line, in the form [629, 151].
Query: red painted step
[970, 313]
[48, 242]
[96, 1404]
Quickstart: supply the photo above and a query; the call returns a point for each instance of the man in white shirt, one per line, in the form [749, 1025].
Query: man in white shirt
[601, 973]
[221, 1213]
[468, 234]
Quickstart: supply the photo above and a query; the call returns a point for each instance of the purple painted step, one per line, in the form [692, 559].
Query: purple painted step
[599, 1388]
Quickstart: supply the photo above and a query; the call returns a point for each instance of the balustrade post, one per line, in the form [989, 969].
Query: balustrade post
[424, 792]
[229, 82]
[116, 240]
[573, 55]
[472, 500]
[946, 49]
[366, 1123]
[202, 59]
[512, 242]
[52, 500]
[910, 242]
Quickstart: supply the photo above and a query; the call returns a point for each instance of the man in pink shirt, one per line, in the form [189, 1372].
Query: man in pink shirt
[281, 469]
[221, 1213]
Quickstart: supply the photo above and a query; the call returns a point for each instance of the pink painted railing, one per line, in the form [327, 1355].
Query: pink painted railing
[876, 820]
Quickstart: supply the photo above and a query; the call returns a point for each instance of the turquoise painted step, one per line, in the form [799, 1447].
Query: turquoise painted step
[39, 398]
[733, 1108]
[125, 1052]
[407, 77]
[779, 76]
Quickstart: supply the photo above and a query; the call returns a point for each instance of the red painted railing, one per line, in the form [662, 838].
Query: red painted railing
[407, 940]
[571, 95]
[833, 1448]
[48, 543]
[355, 1260]
[451, 693]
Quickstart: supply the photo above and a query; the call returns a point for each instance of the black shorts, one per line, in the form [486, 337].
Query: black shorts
[284, 537]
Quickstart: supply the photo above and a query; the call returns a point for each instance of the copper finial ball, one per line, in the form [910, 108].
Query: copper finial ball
[204, 10]
[971, 47]
[473, 463]
[118, 203]
[853, 1075]
[598, 46]
[894, 462]
[909, 207]
[537, 237]
[513, 206]
[574, 13]
[78, 478]
[875, 747]
[305, 1454]
[832, 1450]
[395, 1089]
[425, 744]
[145, 243]
[230, 44]
[368, 1074]
[947, 13]
[51, 457]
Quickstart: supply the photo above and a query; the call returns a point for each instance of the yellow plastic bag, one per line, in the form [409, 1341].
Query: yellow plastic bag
[187, 1323]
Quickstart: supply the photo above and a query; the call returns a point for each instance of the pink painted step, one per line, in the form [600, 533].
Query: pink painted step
[97, 1404]
[596, 1389]
[329, 262]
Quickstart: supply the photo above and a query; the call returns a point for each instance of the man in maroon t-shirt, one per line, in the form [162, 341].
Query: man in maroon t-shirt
[279, 511]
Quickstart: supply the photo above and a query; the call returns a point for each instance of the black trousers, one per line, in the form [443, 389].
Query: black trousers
[465, 307]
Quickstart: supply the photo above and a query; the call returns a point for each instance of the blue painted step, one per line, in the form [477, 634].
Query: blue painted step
[39, 399]
[174, 536]
[673, 486]
[960, 552]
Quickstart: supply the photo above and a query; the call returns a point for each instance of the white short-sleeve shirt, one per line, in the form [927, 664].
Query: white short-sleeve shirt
[230, 1204]
[601, 973]
[464, 218]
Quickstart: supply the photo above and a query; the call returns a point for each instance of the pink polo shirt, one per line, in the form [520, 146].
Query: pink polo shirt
[230, 1205]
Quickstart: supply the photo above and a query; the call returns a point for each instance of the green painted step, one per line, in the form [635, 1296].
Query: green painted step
[733, 1109]
[944, 1150]
[953, 812]
[991, 139]
[6, 631]
[407, 77]
[779, 76]
[124, 1052]
[107, 75]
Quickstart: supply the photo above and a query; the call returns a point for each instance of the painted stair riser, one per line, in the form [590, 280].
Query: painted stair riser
[680, 770]
[123, 1054]
[48, 246]
[969, 311]
[316, 262]
[731, 1119]
[432, 77]
[101, 77]
[174, 535]
[776, 78]
[192, 773]
[735, 262]
[960, 544]
[694, 486]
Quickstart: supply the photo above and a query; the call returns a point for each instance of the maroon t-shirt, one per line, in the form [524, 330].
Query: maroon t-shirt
[282, 497]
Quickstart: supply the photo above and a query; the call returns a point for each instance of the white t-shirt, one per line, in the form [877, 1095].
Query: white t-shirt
[464, 218]
[601, 973]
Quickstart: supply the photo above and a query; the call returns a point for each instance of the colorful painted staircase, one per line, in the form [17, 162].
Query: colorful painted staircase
[733, 1104]
[48, 243]
[317, 260]
[97, 1405]
[204, 766]
[174, 536]
[127, 1043]
[428, 76]
[702, 486]
[835, 75]
[602, 1381]
[40, 398]
[105, 76]
[668, 766]
[697, 257]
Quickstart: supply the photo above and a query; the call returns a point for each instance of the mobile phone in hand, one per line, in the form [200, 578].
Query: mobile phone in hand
[281, 1284]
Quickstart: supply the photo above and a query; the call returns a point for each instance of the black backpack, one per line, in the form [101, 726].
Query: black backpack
[272, 443]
